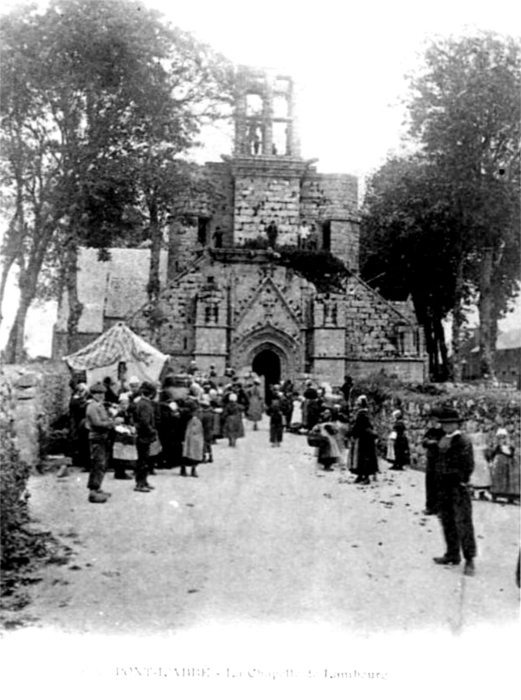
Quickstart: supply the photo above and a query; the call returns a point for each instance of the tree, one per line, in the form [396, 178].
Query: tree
[410, 246]
[88, 87]
[443, 224]
[465, 112]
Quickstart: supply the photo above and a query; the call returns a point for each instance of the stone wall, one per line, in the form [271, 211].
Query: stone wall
[407, 370]
[215, 308]
[40, 394]
[483, 412]
[334, 199]
[372, 325]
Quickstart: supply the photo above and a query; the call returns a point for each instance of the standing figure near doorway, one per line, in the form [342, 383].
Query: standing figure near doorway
[254, 412]
[276, 413]
[233, 427]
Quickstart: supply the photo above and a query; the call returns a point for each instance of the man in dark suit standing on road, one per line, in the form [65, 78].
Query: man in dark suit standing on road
[455, 465]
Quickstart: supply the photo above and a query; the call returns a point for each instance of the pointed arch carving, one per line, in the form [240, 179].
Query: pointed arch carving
[288, 350]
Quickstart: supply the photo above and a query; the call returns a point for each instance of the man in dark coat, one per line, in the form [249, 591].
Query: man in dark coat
[99, 424]
[145, 422]
[430, 442]
[78, 432]
[455, 464]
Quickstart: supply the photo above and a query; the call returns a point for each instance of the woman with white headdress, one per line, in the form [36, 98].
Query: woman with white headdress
[504, 468]
[398, 452]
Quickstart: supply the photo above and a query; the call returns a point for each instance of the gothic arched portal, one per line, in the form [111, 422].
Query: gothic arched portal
[266, 364]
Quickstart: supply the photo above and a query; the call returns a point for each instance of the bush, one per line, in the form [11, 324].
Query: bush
[13, 485]
[320, 267]
[380, 389]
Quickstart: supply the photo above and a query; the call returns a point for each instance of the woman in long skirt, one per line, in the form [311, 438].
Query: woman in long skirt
[363, 459]
[504, 469]
[254, 412]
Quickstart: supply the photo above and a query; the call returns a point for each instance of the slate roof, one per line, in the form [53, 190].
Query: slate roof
[113, 288]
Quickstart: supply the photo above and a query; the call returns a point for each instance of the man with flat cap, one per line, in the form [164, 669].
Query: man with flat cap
[455, 464]
[99, 424]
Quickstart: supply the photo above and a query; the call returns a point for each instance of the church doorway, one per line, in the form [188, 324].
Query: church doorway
[266, 364]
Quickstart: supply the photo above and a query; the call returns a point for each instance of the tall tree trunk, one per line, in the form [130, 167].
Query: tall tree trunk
[431, 350]
[15, 348]
[458, 317]
[457, 322]
[486, 316]
[154, 284]
[71, 285]
[441, 348]
[28, 282]
[7, 264]
[13, 240]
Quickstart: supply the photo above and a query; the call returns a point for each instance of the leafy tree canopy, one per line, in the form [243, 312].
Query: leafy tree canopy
[443, 224]
[98, 98]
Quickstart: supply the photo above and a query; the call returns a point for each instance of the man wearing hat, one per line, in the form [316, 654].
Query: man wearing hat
[455, 465]
[98, 423]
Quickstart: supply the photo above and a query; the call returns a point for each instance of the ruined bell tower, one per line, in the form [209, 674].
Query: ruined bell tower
[264, 115]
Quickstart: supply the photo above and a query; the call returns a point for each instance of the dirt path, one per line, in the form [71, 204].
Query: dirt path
[262, 538]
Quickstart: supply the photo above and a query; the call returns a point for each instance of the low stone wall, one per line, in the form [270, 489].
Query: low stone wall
[40, 396]
[482, 410]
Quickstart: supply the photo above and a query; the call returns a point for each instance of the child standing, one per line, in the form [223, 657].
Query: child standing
[124, 452]
[401, 443]
[193, 445]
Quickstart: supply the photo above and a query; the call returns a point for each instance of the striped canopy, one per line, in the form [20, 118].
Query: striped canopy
[101, 358]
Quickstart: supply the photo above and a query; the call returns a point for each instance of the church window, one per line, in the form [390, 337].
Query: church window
[211, 314]
[330, 313]
[253, 105]
[255, 138]
[280, 138]
[326, 235]
[202, 229]
[280, 107]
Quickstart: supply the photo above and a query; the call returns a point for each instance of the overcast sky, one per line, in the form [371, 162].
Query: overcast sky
[348, 58]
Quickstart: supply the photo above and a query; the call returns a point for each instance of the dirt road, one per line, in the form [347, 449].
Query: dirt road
[262, 537]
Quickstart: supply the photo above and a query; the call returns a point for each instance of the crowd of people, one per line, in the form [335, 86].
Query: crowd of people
[136, 427]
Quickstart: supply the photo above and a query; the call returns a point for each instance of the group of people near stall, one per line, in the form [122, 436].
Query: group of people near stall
[136, 427]
[133, 427]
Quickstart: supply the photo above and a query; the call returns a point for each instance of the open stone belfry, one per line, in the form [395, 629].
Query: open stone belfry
[229, 296]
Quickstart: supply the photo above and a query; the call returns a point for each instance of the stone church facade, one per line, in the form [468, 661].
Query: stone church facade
[227, 300]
